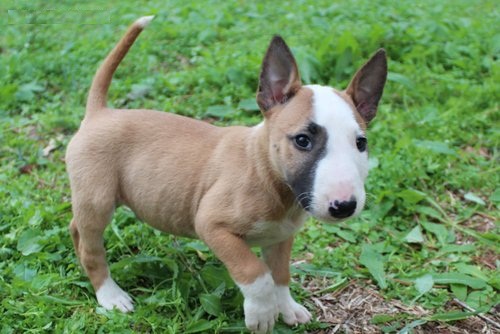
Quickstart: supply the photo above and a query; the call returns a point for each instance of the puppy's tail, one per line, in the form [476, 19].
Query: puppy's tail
[102, 79]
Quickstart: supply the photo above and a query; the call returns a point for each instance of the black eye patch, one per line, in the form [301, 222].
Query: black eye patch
[301, 180]
[305, 139]
[313, 128]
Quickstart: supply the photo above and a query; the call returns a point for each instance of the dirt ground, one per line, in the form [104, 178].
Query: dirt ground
[351, 309]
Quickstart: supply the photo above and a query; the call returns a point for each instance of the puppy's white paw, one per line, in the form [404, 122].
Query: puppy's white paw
[293, 313]
[110, 295]
[260, 316]
[261, 308]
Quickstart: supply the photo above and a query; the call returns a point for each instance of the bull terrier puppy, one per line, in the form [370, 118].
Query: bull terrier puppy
[232, 187]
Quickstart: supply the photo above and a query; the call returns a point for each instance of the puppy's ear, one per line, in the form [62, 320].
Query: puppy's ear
[279, 77]
[367, 85]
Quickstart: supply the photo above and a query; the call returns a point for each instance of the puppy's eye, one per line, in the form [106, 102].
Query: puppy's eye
[361, 144]
[303, 142]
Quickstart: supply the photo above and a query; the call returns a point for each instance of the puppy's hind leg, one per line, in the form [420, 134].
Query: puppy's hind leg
[87, 228]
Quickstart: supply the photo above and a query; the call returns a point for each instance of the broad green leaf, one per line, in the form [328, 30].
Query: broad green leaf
[347, 41]
[237, 327]
[495, 280]
[163, 298]
[102, 311]
[495, 197]
[373, 261]
[26, 92]
[373, 163]
[452, 316]
[407, 329]
[211, 304]
[215, 275]
[379, 211]
[440, 231]
[42, 281]
[248, 105]
[434, 146]
[491, 236]
[471, 197]
[412, 196]
[57, 300]
[458, 278]
[424, 284]
[307, 64]
[430, 115]
[139, 90]
[346, 47]
[207, 35]
[400, 79]
[219, 111]
[236, 76]
[414, 236]
[471, 270]
[201, 325]
[431, 212]
[478, 299]
[465, 248]
[219, 291]
[24, 272]
[392, 328]
[378, 319]
[28, 242]
[459, 290]
[36, 219]
[346, 235]
[197, 245]
[311, 269]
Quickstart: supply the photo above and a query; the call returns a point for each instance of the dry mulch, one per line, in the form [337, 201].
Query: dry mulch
[351, 309]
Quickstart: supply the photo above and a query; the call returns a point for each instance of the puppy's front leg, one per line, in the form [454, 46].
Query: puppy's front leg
[277, 258]
[250, 273]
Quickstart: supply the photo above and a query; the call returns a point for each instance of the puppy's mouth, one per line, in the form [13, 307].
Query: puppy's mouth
[332, 213]
[328, 219]
[325, 214]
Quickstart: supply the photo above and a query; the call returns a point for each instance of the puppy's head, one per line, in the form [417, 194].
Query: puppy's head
[317, 135]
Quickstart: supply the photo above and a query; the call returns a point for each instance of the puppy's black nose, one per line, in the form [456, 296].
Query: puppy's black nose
[342, 209]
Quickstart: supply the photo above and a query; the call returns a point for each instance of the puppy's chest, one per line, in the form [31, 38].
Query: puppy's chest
[266, 233]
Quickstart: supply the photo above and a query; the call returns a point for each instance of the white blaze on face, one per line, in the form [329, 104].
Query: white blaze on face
[341, 173]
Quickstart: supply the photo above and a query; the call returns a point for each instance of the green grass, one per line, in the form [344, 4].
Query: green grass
[428, 234]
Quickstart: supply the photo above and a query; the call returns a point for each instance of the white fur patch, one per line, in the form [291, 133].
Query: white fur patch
[144, 21]
[110, 295]
[341, 173]
[293, 313]
[260, 305]
[264, 233]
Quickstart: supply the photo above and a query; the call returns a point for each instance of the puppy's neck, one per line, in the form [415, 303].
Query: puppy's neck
[267, 175]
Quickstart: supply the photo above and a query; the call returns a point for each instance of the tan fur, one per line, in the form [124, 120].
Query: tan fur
[102, 79]
[180, 175]
[298, 114]
[226, 186]
[277, 257]
[174, 179]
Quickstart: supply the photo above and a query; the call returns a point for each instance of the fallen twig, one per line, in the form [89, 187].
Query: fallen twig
[468, 308]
